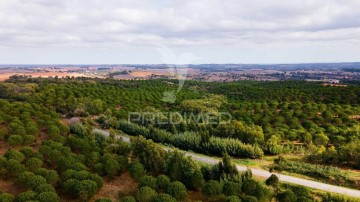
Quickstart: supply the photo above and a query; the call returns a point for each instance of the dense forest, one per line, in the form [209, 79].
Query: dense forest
[48, 159]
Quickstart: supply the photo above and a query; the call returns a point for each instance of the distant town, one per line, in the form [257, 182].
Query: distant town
[329, 73]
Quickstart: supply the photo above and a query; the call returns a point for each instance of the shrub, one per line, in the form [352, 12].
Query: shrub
[33, 163]
[162, 182]
[164, 198]
[44, 188]
[145, 194]
[14, 155]
[231, 188]
[15, 140]
[69, 186]
[273, 180]
[5, 197]
[177, 190]
[232, 199]
[28, 139]
[287, 196]
[51, 176]
[111, 165]
[48, 196]
[137, 170]
[254, 188]
[27, 151]
[26, 196]
[249, 199]
[128, 199]
[103, 200]
[14, 167]
[148, 181]
[85, 189]
[35, 181]
[97, 179]
[212, 188]
[338, 198]
[182, 168]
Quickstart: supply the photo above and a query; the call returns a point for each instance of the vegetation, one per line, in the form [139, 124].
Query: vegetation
[327, 174]
[49, 160]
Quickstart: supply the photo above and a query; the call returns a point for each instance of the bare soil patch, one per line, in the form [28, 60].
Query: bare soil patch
[121, 186]
[3, 147]
[10, 187]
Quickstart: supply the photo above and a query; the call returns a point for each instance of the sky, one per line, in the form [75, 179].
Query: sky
[191, 31]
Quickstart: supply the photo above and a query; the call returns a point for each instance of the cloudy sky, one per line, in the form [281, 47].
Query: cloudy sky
[210, 31]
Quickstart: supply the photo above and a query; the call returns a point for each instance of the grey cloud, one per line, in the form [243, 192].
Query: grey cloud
[178, 22]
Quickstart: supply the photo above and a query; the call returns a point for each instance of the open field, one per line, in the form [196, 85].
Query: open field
[4, 76]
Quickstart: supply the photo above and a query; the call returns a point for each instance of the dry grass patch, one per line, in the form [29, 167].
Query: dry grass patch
[120, 186]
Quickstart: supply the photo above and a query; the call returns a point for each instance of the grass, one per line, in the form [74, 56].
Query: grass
[322, 173]
[245, 162]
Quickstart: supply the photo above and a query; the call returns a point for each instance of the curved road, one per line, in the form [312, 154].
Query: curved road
[266, 174]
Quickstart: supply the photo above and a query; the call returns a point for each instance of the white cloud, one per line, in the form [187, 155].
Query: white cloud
[178, 23]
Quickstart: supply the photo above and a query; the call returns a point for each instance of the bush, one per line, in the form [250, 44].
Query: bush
[338, 198]
[145, 194]
[182, 168]
[14, 155]
[254, 188]
[232, 199]
[128, 199]
[97, 179]
[148, 181]
[15, 140]
[27, 151]
[273, 180]
[51, 176]
[85, 189]
[137, 170]
[287, 196]
[35, 181]
[69, 186]
[164, 198]
[24, 177]
[111, 165]
[103, 200]
[26, 196]
[162, 182]
[5, 197]
[28, 139]
[249, 199]
[48, 196]
[304, 199]
[44, 188]
[299, 190]
[14, 167]
[33, 164]
[177, 190]
[231, 188]
[212, 188]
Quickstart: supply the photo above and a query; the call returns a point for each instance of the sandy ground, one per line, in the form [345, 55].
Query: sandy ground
[147, 73]
[122, 185]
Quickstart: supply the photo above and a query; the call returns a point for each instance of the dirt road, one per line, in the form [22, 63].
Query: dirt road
[266, 174]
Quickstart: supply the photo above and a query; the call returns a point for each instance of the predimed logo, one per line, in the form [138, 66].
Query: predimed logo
[177, 69]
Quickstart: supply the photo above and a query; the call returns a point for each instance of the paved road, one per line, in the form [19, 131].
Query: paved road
[266, 174]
